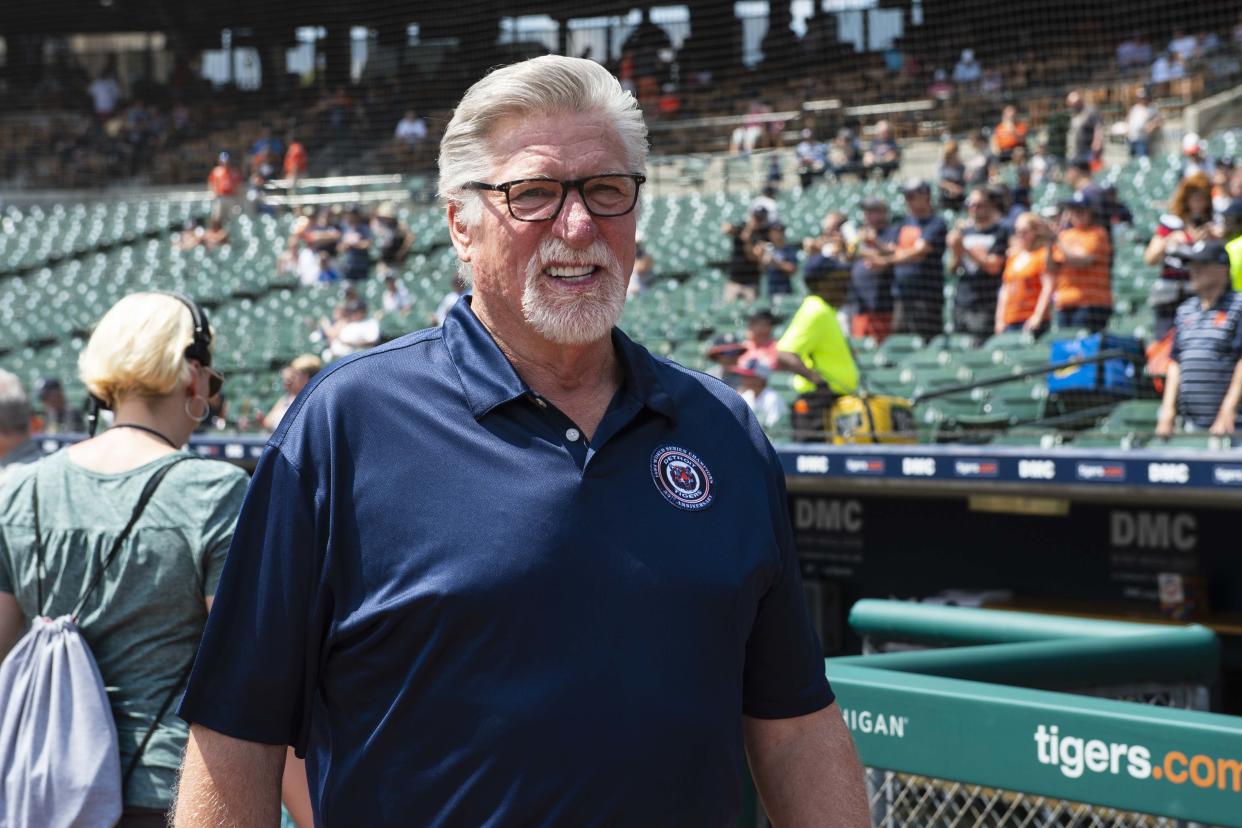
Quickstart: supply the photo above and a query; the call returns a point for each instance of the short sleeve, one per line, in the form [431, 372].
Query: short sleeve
[1175, 351]
[797, 338]
[784, 672]
[227, 496]
[258, 661]
[935, 232]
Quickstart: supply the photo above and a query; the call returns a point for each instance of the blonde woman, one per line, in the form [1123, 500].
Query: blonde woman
[149, 361]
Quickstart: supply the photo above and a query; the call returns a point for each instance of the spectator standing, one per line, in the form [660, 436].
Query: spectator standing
[1024, 299]
[266, 156]
[294, 377]
[1204, 379]
[1084, 138]
[779, 260]
[871, 273]
[747, 245]
[951, 177]
[296, 163]
[1188, 221]
[411, 129]
[884, 154]
[58, 417]
[1008, 135]
[770, 410]
[1081, 259]
[977, 256]
[391, 237]
[355, 247]
[16, 447]
[816, 351]
[918, 265]
[105, 93]
[225, 183]
[1143, 123]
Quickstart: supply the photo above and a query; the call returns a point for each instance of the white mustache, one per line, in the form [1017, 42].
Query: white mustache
[554, 251]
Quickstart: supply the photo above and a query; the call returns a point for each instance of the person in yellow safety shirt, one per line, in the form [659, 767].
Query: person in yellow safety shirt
[816, 351]
[1232, 216]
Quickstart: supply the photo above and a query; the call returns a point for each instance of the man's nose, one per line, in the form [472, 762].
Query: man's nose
[575, 224]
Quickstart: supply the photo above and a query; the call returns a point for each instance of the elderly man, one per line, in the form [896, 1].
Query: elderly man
[515, 570]
[16, 447]
[1204, 380]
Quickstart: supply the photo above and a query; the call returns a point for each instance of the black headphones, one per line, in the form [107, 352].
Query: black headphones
[199, 350]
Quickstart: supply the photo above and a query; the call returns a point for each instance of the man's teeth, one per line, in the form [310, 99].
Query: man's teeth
[580, 272]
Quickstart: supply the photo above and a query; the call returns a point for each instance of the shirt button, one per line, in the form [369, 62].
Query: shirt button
[572, 435]
[539, 401]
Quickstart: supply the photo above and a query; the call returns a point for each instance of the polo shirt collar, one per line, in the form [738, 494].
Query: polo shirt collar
[489, 379]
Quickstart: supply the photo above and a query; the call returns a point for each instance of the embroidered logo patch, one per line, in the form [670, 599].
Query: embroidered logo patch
[682, 478]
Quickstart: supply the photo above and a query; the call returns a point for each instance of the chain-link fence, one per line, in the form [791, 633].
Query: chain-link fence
[901, 800]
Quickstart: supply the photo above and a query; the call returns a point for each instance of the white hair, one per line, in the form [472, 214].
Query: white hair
[548, 85]
[14, 405]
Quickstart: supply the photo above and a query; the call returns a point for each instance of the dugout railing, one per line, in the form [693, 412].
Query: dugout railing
[968, 717]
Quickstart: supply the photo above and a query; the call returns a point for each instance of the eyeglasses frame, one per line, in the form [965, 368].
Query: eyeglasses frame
[567, 185]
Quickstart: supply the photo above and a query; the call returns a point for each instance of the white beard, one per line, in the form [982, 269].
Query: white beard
[573, 318]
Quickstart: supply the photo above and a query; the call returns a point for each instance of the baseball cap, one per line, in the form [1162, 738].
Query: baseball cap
[1079, 201]
[874, 203]
[224, 156]
[1208, 251]
[1190, 143]
[726, 344]
[915, 185]
[47, 384]
[820, 266]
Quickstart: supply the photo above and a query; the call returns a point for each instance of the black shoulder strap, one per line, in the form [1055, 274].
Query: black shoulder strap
[148, 490]
[38, 543]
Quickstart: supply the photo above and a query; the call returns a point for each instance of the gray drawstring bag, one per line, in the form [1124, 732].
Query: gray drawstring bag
[59, 762]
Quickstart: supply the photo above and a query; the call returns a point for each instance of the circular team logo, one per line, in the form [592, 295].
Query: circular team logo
[682, 478]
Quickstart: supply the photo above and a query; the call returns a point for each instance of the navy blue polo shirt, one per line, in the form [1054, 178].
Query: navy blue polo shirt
[462, 613]
[1207, 344]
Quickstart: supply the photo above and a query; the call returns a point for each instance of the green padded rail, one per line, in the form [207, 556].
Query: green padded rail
[930, 713]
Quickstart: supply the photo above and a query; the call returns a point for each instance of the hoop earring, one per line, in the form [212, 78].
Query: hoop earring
[199, 417]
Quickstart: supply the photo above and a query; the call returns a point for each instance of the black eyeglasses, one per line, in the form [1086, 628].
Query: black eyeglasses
[541, 199]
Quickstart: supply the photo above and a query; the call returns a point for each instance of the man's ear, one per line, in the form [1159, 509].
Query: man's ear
[462, 235]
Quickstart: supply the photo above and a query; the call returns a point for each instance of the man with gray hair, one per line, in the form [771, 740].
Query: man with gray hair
[515, 570]
[16, 447]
